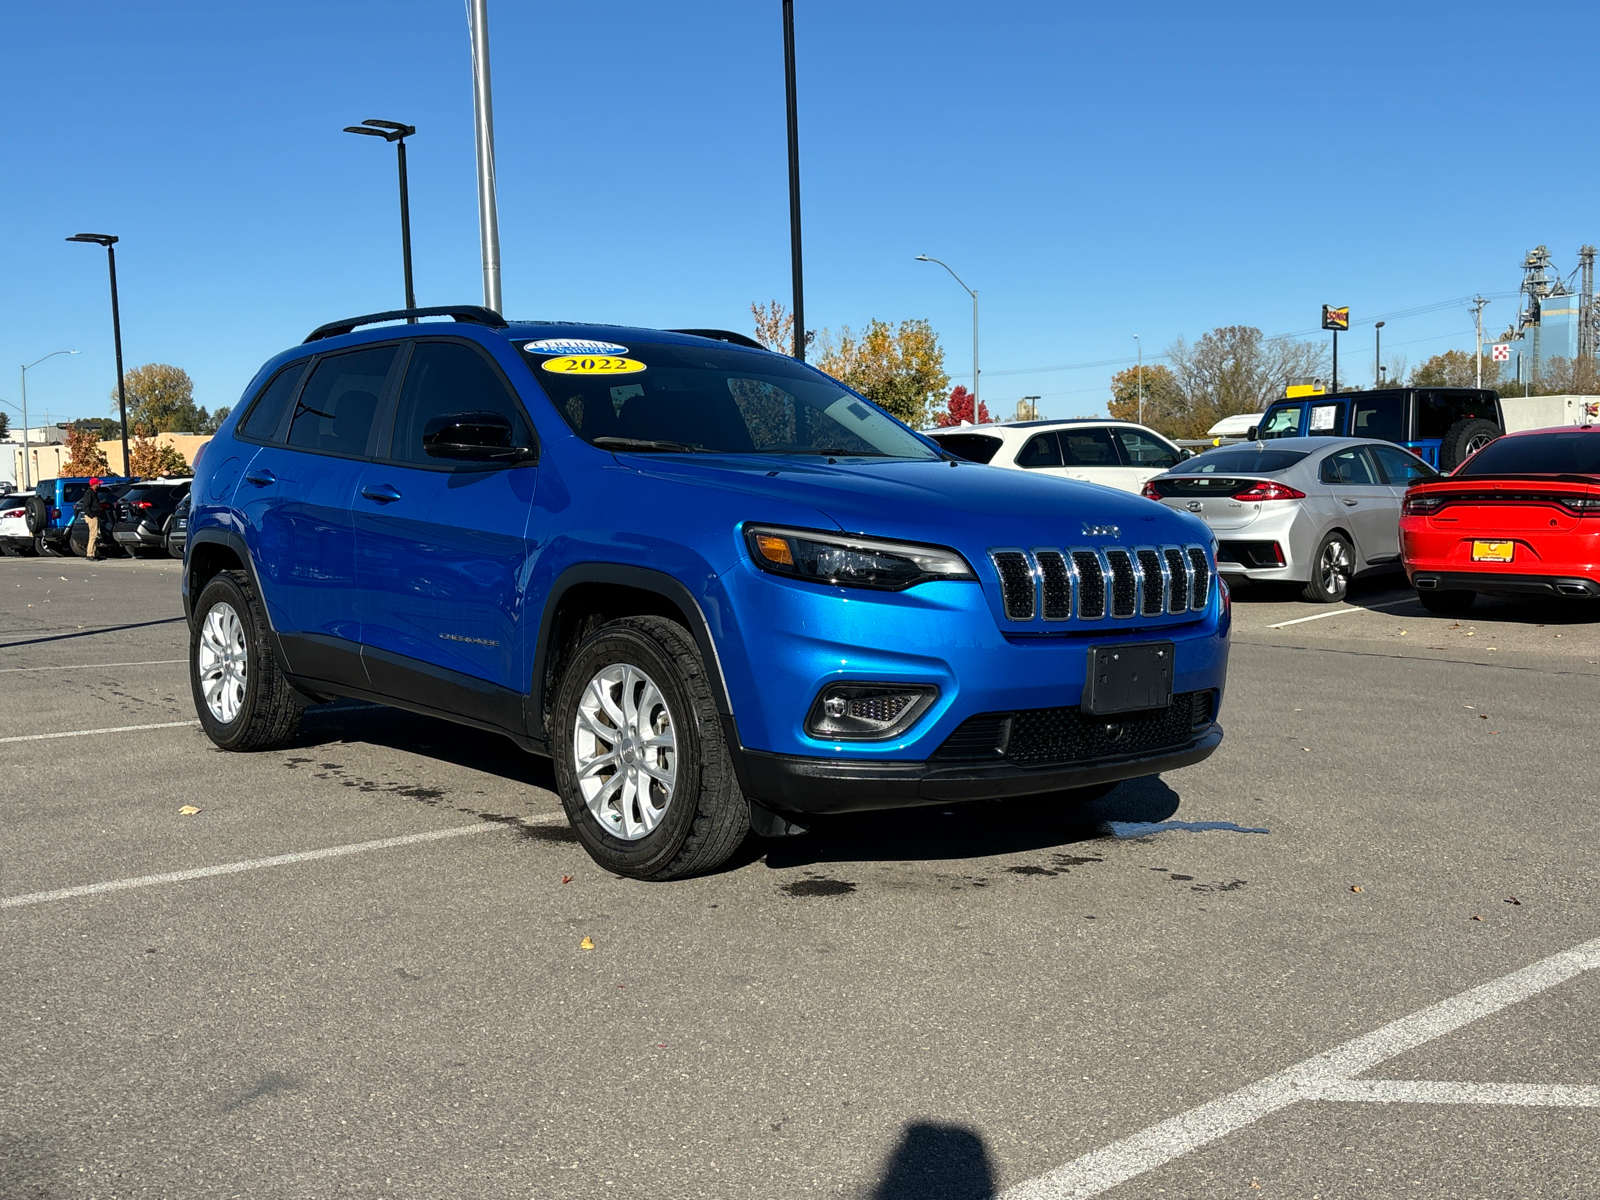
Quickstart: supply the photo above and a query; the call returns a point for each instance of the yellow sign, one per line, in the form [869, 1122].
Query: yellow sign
[592, 364]
[1296, 390]
[1493, 551]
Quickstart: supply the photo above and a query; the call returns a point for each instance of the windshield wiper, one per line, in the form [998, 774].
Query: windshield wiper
[647, 445]
[834, 452]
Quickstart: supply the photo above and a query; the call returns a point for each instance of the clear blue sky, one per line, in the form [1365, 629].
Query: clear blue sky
[1095, 171]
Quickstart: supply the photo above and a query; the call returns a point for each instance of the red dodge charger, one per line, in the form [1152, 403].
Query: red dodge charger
[1521, 516]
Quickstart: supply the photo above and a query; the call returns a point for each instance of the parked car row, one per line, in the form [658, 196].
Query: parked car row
[142, 517]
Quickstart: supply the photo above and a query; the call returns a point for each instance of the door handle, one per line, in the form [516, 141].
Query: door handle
[260, 476]
[383, 493]
[1350, 503]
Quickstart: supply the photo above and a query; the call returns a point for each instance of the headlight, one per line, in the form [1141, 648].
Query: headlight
[851, 561]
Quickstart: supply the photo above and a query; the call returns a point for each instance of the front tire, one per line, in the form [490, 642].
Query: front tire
[240, 695]
[1331, 568]
[641, 764]
[1447, 604]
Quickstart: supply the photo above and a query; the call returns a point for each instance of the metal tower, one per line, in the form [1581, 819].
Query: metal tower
[1588, 314]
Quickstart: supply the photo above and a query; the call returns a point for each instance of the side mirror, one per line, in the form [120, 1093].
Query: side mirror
[1253, 433]
[473, 437]
[1184, 453]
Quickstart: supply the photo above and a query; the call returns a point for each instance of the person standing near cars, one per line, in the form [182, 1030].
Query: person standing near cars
[92, 506]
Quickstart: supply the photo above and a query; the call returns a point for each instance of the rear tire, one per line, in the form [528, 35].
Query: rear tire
[1447, 604]
[647, 671]
[242, 698]
[1464, 439]
[1331, 568]
[44, 549]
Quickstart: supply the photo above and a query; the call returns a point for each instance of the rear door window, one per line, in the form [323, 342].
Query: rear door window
[1041, 450]
[266, 414]
[1087, 448]
[340, 401]
[1349, 466]
[1142, 450]
[1380, 416]
[444, 378]
[1281, 421]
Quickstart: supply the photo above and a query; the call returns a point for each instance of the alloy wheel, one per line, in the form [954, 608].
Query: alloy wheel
[625, 750]
[222, 660]
[1335, 568]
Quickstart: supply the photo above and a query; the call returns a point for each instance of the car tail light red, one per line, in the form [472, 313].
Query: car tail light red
[1421, 506]
[1149, 492]
[1267, 490]
[142, 504]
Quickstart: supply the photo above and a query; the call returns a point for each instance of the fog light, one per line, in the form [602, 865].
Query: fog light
[867, 711]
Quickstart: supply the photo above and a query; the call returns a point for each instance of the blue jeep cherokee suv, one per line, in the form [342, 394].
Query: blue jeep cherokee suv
[716, 587]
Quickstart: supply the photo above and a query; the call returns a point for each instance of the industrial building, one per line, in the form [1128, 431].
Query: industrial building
[1556, 317]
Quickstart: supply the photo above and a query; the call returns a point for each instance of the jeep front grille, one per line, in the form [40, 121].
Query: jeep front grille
[1060, 584]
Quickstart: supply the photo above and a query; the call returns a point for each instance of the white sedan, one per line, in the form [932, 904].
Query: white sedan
[1118, 454]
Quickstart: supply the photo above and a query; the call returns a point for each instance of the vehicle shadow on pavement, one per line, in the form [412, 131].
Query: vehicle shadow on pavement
[937, 1162]
[973, 830]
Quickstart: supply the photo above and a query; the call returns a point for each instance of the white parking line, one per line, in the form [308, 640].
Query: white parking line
[1410, 1091]
[1339, 612]
[44, 737]
[255, 864]
[149, 662]
[1329, 1073]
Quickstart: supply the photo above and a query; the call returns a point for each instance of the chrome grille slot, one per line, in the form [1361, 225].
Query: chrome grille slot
[1091, 585]
[1124, 585]
[1153, 593]
[1017, 584]
[1178, 580]
[1055, 582]
[1200, 593]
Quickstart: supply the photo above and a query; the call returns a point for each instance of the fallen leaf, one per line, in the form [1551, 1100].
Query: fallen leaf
[1477, 918]
[188, 810]
[661, 1045]
[1469, 706]
[64, 579]
[586, 944]
[1512, 900]
[1307, 749]
[1403, 632]
[566, 879]
[1483, 716]
[1355, 887]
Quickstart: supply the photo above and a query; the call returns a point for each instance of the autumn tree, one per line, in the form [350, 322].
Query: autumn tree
[161, 397]
[774, 326]
[84, 454]
[149, 458]
[1160, 394]
[1455, 368]
[899, 369]
[959, 408]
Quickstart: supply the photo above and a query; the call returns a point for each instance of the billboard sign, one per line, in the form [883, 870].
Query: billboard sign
[1335, 318]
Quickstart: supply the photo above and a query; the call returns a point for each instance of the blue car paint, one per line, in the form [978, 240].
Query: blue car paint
[478, 560]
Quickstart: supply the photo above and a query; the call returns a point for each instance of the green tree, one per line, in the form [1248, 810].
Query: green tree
[1455, 368]
[900, 369]
[5, 424]
[161, 397]
[211, 422]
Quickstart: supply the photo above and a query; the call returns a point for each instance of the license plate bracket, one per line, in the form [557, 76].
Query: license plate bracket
[1128, 678]
[1493, 551]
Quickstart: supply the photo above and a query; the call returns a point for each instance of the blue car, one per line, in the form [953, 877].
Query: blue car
[721, 591]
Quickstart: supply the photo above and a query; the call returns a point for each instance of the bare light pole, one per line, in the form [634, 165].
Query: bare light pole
[1377, 355]
[793, 110]
[1138, 345]
[393, 131]
[483, 128]
[26, 368]
[109, 241]
[974, 295]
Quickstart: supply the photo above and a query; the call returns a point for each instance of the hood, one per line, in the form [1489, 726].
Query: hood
[971, 508]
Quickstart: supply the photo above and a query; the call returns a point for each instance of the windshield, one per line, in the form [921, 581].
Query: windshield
[703, 399]
[1240, 460]
[1574, 453]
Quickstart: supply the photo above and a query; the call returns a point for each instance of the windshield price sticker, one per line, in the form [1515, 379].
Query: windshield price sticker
[593, 364]
[572, 346]
[1321, 415]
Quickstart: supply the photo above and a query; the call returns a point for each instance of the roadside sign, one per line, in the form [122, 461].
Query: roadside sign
[1500, 353]
[1335, 318]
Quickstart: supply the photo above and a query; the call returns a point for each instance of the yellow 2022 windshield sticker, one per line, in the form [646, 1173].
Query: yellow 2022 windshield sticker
[592, 364]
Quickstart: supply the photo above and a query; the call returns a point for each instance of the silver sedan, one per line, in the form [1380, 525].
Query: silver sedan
[1316, 511]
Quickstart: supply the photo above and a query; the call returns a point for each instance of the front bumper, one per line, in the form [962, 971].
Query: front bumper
[790, 783]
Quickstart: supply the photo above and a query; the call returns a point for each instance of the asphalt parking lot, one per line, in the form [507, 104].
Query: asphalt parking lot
[1385, 991]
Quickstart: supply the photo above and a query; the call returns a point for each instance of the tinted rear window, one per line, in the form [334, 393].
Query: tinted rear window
[1437, 411]
[157, 495]
[974, 447]
[1240, 460]
[268, 408]
[1574, 453]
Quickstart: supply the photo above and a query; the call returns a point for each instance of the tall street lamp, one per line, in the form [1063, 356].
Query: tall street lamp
[974, 295]
[393, 131]
[26, 479]
[792, 108]
[1377, 354]
[109, 242]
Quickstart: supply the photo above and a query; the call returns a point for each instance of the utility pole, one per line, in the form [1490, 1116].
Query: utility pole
[1377, 355]
[1478, 303]
[483, 128]
[109, 241]
[1140, 347]
[793, 111]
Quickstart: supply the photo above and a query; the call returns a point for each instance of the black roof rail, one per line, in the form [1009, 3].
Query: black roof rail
[472, 314]
[723, 335]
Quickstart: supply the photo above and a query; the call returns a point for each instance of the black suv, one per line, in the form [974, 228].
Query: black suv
[142, 515]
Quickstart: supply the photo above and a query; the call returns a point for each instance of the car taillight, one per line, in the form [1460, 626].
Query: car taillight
[1267, 490]
[1585, 506]
[1422, 506]
[1149, 492]
[141, 504]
